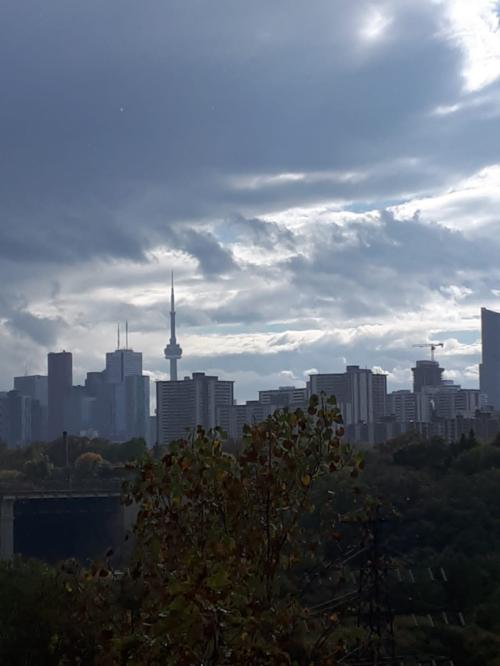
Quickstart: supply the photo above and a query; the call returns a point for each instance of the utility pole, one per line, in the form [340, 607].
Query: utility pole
[372, 608]
[374, 612]
[66, 453]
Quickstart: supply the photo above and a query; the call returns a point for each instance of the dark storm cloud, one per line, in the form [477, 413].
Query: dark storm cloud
[255, 303]
[212, 257]
[42, 330]
[67, 237]
[403, 246]
[104, 102]
[261, 233]
[364, 269]
[369, 268]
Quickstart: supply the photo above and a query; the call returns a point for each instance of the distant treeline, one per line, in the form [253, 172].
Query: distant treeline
[79, 456]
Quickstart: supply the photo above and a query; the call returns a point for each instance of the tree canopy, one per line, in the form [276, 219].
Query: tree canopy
[223, 549]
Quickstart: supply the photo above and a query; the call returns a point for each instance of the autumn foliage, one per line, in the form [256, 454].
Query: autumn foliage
[222, 550]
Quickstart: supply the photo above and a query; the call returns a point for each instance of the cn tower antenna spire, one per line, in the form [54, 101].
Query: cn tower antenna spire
[172, 351]
[172, 295]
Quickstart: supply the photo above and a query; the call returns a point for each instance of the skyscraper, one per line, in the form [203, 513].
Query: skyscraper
[33, 385]
[489, 369]
[284, 396]
[60, 380]
[122, 363]
[4, 417]
[126, 393]
[20, 414]
[36, 387]
[172, 351]
[402, 405]
[137, 406]
[184, 404]
[426, 373]
[360, 393]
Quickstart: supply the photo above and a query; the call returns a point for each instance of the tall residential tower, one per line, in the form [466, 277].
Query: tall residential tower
[173, 351]
[426, 373]
[489, 369]
[184, 404]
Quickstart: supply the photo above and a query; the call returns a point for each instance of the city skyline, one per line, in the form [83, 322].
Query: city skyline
[117, 403]
[420, 358]
[337, 348]
[323, 180]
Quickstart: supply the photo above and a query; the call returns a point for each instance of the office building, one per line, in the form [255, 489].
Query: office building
[448, 401]
[402, 405]
[137, 407]
[361, 394]
[235, 417]
[284, 396]
[19, 422]
[426, 373]
[116, 400]
[80, 413]
[184, 404]
[124, 395]
[102, 406]
[36, 387]
[122, 363]
[152, 431]
[489, 369]
[60, 380]
[4, 417]
[469, 401]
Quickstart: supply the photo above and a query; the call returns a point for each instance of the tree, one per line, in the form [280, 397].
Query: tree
[38, 468]
[88, 464]
[33, 614]
[222, 550]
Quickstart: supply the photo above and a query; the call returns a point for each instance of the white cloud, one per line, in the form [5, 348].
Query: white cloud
[458, 293]
[470, 204]
[257, 181]
[472, 372]
[289, 376]
[453, 348]
[261, 181]
[399, 377]
[474, 25]
[375, 24]
[445, 110]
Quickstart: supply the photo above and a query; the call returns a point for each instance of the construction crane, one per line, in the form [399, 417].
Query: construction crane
[432, 346]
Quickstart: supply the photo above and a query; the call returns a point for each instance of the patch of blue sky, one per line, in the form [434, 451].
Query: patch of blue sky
[465, 337]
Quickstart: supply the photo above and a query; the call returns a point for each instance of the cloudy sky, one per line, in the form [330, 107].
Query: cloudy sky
[323, 177]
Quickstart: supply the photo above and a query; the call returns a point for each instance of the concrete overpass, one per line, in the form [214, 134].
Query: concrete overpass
[23, 505]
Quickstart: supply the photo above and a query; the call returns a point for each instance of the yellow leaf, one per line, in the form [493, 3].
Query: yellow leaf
[306, 480]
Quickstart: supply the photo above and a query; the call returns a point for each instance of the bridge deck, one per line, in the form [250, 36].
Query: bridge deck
[54, 494]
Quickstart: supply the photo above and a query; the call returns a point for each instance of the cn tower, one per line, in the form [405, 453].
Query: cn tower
[172, 351]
